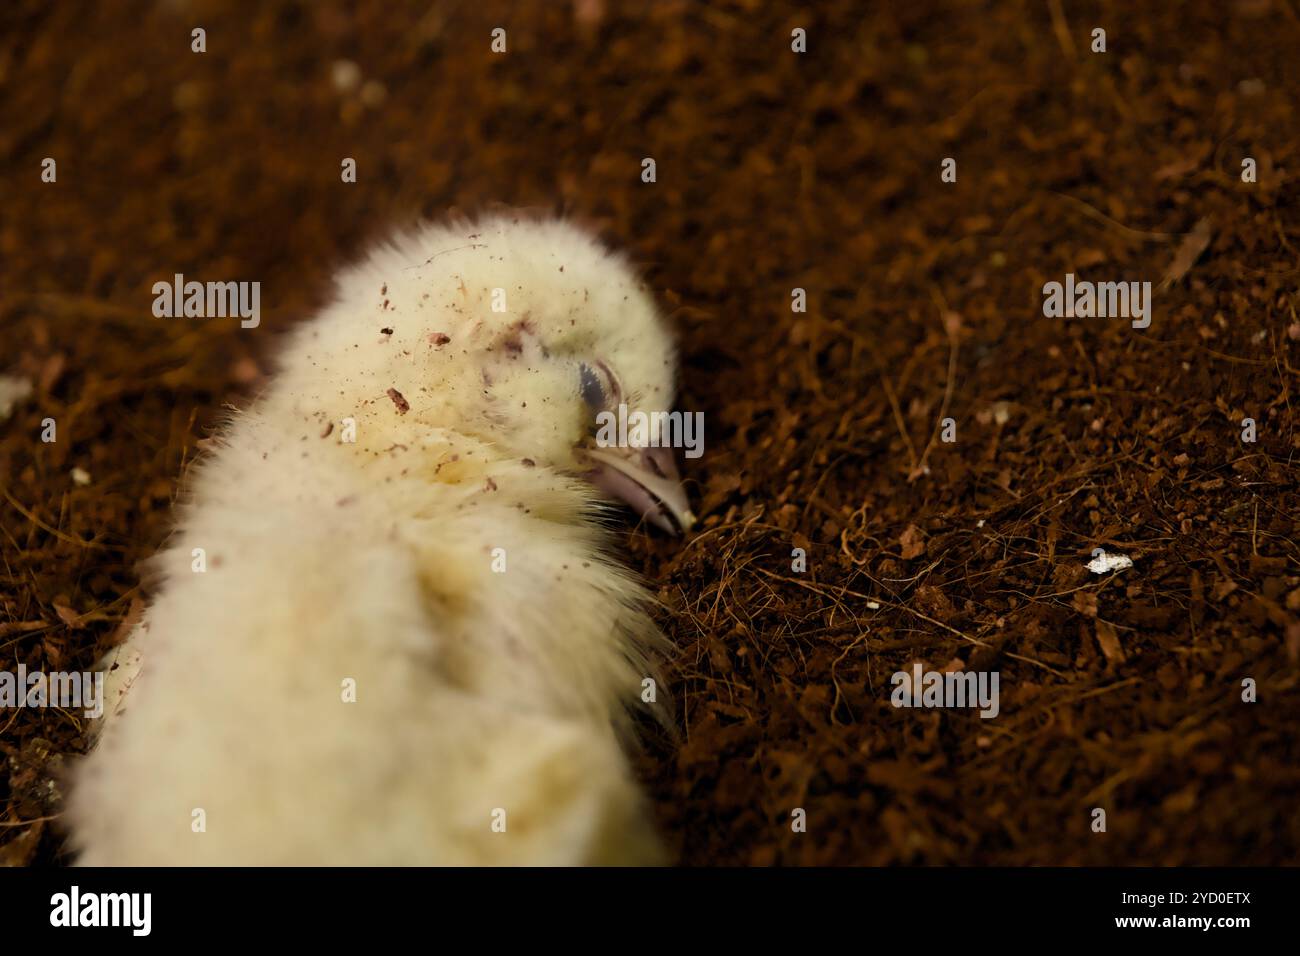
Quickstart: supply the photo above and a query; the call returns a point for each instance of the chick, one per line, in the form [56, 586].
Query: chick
[390, 629]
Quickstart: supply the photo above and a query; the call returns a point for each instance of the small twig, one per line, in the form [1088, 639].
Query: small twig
[950, 328]
[54, 531]
[898, 418]
[1062, 30]
[27, 823]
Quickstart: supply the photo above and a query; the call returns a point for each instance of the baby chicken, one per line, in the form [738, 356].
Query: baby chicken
[390, 629]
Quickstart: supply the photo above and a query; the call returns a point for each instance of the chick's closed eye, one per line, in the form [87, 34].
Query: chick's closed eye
[593, 391]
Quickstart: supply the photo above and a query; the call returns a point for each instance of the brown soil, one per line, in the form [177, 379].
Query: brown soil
[775, 170]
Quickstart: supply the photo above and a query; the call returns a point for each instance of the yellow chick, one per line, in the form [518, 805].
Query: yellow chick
[390, 629]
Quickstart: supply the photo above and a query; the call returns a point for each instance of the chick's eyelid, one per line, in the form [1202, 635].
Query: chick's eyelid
[599, 385]
[615, 389]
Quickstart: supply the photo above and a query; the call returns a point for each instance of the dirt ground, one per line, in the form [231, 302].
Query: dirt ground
[775, 170]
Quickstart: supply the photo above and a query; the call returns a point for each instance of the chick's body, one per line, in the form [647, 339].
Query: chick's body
[408, 643]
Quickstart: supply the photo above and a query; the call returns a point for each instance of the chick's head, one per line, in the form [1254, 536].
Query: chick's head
[536, 330]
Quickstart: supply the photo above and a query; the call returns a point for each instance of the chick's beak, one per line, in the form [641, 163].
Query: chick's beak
[646, 479]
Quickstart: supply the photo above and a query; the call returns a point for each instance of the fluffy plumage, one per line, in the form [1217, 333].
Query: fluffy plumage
[372, 561]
